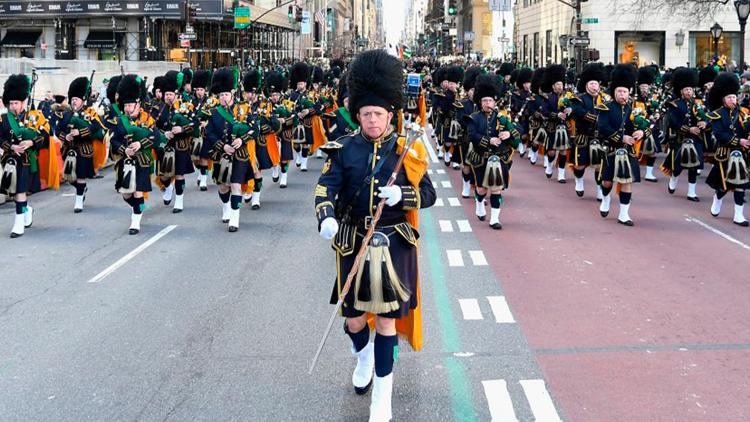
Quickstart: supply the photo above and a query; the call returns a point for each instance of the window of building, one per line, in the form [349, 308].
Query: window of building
[640, 48]
[65, 40]
[702, 47]
[525, 48]
[535, 54]
[548, 45]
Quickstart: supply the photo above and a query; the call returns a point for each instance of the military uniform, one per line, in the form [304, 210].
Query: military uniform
[585, 142]
[553, 103]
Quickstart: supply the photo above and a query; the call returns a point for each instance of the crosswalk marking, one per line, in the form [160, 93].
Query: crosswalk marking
[439, 202]
[540, 401]
[499, 402]
[445, 225]
[463, 226]
[440, 171]
[454, 258]
[470, 309]
[501, 310]
[454, 202]
[429, 171]
[477, 258]
[446, 184]
[434, 184]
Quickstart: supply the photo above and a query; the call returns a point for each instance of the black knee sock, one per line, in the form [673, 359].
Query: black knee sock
[535, 148]
[284, 167]
[579, 173]
[258, 185]
[386, 353]
[561, 160]
[625, 197]
[606, 190]
[650, 161]
[479, 197]
[496, 199]
[360, 339]
[21, 206]
[138, 205]
[692, 175]
[305, 152]
[80, 188]
[739, 197]
[224, 196]
[179, 186]
[202, 169]
[128, 201]
[466, 176]
[235, 201]
[720, 194]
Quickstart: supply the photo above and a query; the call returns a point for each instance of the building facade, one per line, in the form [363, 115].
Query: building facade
[622, 33]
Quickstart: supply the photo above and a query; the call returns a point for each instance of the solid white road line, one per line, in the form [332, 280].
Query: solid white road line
[470, 309]
[463, 226]
[718, 232]
[454, 258]
[501, 310]
[122, 261]
[439, 202]
[477, 258]
[498, 400]
[445, 225]
[454, 202]
[446, 184]
[540, 401]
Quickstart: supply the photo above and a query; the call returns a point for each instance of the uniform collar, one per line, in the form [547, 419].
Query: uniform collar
[380, 140]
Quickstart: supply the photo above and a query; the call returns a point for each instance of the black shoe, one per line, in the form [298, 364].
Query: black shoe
[176, 211]
[562, 181]
[533, 163]
[304, 170]
[97, 176]
[298, 165]
[247, 201]
[282, 186]
[604, 214]
[77, 210]
[497, 226]
[714, 215]
[742, 224]
[225, 221]
[579, 193]
[693, 199]
[651, 180]
[133, 231]
[482, 218]
[233, 229]
[204, 188]
[255, 207]
[361, 391]
[167, 202]
[628, 223]
[276, 180]
[598, 199]
[549, 176]
[15, 235]
[671, 191]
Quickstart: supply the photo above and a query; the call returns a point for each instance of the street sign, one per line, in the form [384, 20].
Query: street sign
[189, 29]
[580, 41]
[453, 32]
[241, 17]
[185, 43]
[590, 21]
[186, 36]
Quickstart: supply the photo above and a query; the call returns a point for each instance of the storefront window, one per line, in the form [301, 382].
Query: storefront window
[65, 40]
[702, 47]
[640, 48]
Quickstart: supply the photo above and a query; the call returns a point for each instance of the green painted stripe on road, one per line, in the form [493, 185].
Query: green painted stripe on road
[461, 401]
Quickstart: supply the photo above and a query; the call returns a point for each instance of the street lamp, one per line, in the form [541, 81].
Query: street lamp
[716, 31]
[743, 11]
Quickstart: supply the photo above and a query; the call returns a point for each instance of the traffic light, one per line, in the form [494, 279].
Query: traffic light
[290, 13]
[452, 10]
[299, 14]
[192, 13]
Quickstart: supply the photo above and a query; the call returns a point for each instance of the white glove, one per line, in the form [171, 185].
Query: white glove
[392, 194]
[328, 228]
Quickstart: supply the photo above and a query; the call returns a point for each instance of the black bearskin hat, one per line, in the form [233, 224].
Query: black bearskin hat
[570, 77]
[506, 69]
[486, 86]
[646, 75]
[513, 76]
[252, 80]
[158, 82]
[318, 76]
[524, 76]
[623, 76]
[336, 72]
[300, 73]
[553, 74]
[454, 74]
[726, 83]
[201, 79]
[274, 82]
[343, 90]
[130, 89]
[112, 88]
[16, 88]
[223, 81]
[683, 77]
[536, 80]
[169, 83]
[470, 77]
[59, 99]
[337, 63]
[187, 77]
[590, 72]
[78, 88]
[706, 75]
[375, 79]
[438, 75]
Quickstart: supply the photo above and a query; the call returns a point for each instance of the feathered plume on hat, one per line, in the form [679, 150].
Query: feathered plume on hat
[590, 72]
[646, 75]
[274, 82]
[201, 79]
[112, 88]
[130, 89]
[683, 77]
[16, 88]
[78, 88]
[223, 81]
[252, 80]
[552, 75]
[524, 76]
[486, 86]
[536, 79]
[470, 77]
[454, 74]
[375, 79]
[726, 83]
[300, 73]
[623, 76]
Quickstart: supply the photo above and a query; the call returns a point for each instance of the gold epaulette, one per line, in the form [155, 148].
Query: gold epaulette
[714, 115]
[333, 145]
[602, 107]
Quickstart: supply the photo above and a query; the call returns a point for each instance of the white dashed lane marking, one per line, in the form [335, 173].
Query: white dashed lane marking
[470, 309]
[454, 258]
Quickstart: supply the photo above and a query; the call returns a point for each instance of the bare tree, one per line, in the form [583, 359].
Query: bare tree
[690, 11]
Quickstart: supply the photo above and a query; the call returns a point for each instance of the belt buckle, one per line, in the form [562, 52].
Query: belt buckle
[368, 222]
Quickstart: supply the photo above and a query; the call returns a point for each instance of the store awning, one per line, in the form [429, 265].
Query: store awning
[20, 39]
[103, 39]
